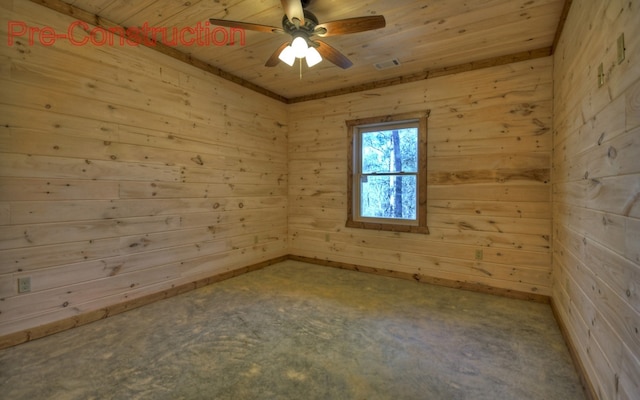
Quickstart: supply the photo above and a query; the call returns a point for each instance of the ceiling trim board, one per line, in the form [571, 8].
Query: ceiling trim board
[428, 74]
[96, 20]
[561, 22]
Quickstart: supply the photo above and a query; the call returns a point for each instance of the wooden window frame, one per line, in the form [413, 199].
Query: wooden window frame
[353, 144]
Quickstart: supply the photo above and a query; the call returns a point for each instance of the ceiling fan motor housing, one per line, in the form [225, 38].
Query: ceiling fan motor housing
[296, 29]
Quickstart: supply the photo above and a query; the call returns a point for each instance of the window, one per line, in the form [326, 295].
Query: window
[387, 183]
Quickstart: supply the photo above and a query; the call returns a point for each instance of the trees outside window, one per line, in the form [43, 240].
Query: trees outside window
[387, 173]
[389, 166]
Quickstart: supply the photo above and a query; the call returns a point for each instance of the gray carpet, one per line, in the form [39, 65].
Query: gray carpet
[300, 331]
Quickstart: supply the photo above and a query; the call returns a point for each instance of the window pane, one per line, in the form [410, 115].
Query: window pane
[388, 197]
[394, 150]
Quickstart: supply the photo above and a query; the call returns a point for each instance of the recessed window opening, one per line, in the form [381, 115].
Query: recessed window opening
[387, 173]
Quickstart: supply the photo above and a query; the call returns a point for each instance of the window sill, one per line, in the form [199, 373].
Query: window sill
[388, 227]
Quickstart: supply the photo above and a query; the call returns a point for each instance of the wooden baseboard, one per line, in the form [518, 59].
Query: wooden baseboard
[474, 287]
[588, 387]
[24, 336]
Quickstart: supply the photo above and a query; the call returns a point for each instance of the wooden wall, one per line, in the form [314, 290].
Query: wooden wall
[124, 172]
[489, 158]
[596, 193]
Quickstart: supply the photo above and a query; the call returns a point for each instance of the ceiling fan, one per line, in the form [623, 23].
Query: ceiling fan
[303, 27]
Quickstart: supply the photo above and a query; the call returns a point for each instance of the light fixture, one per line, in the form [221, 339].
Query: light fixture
[288, 56]
[299, 46]
[312, 56]
[300, 49]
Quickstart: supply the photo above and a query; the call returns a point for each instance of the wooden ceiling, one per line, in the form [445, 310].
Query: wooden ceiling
[424, 36]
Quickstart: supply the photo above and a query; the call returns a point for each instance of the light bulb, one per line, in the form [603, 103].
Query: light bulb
[313, 57]
[287, 56]
[299, 46]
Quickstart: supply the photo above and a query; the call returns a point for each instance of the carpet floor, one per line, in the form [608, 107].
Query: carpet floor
[301, 331]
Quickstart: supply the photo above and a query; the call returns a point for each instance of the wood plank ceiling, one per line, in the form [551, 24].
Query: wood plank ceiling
[424, 36]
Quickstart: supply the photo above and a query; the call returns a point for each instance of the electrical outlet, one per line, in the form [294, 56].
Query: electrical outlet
[621, 48]
[479, 254]
[24, 284]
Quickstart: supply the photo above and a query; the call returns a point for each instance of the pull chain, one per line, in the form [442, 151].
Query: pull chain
[300, 59]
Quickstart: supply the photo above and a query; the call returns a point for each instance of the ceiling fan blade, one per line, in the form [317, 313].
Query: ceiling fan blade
[246, 25]
[350, 25]
[293, 9]
[333, 55]
[274, 59]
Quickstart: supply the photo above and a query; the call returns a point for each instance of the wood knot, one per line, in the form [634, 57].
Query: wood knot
[466, 225]
[198, 160]
[115, 270]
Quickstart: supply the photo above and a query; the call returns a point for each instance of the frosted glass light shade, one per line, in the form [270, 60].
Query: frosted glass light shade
[299, 46]
[288, 56]
[313, 57]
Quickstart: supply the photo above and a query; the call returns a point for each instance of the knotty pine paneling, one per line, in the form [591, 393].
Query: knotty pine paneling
[124, 173]
[596, 194]
[489, 159]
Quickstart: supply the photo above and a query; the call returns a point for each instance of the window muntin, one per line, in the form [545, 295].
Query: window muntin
[387, 173]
